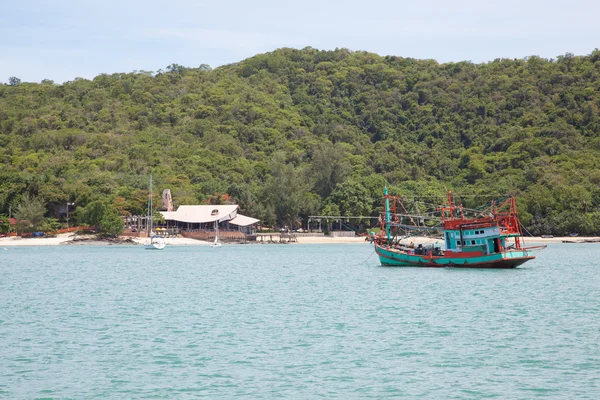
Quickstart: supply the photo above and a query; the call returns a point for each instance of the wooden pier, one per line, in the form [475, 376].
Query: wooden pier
[276, 237]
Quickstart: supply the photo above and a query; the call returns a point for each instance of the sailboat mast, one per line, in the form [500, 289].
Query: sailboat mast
[150, 206]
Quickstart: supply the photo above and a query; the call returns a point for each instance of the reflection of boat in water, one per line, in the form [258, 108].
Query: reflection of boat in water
[491, 240]
[156, 242]
[217, 242]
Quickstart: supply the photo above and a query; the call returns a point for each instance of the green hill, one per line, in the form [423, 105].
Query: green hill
[301, 132]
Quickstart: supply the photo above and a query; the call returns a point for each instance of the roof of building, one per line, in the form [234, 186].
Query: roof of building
[242, 220]
[170, 215]
[202, 213]
[208, 213]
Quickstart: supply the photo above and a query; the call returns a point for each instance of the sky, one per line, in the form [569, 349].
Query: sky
[62, 40]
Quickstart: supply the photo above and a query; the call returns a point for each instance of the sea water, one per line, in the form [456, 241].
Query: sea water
[294, 321]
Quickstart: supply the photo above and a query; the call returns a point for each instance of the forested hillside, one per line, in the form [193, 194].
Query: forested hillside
[294, 133]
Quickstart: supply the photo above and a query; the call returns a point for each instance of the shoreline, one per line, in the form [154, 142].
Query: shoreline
[70, 239]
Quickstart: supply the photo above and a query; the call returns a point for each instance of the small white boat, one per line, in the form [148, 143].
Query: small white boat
[155, 243]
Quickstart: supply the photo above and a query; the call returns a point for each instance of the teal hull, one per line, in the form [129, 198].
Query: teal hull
[505, 259]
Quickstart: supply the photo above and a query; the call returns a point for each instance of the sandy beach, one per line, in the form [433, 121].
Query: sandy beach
[71, 239]
[19, 241]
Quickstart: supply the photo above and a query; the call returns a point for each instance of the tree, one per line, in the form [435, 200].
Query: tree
[284, 190]
[176, 68]
[352, 198]
[219, 199]
[30, 213]
[14, 81]
[50, 225]
[243, 196]
[311, 204]
[328, 168]
[112, 224]
[4, 223]
[103, 216]
[93, 213]
[330, 210]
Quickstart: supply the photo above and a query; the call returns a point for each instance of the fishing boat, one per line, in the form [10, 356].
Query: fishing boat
[488, 240]
[156, 242]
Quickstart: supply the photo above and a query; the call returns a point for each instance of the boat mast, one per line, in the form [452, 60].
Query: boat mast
[514, 221]
[387, 214]
[150, 206]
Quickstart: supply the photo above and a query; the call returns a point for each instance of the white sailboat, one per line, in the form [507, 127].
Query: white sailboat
[156, 242]
[216, 243]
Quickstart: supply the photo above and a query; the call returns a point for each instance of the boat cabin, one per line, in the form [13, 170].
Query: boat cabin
[485, 240]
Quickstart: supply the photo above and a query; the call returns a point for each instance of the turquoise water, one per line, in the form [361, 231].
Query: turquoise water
[294, 321]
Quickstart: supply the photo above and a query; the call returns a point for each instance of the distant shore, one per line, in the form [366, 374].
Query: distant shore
[71, 239]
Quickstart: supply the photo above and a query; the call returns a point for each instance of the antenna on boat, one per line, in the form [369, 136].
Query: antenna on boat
[387, 213]
[450, 205]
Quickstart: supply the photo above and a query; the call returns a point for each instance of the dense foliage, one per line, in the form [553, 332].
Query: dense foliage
[295, 133]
